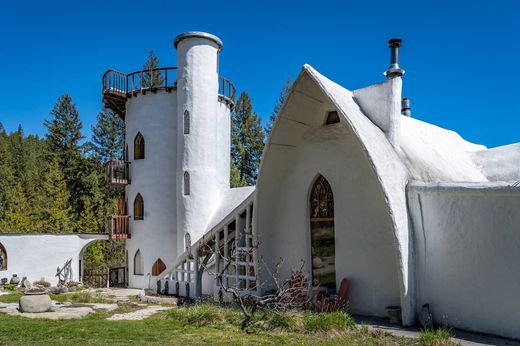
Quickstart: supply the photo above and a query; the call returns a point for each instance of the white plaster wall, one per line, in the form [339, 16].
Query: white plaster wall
[467, 241]
[365, 252]
[201, 152]
[154, 177]
[38, 256]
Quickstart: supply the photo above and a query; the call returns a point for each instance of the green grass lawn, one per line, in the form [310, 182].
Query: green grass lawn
[202, 324]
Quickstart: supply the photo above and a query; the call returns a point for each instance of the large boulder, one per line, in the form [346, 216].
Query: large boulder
[35, 303]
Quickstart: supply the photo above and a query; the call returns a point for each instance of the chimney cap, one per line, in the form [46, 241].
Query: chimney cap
[198, 34]
[395, 42]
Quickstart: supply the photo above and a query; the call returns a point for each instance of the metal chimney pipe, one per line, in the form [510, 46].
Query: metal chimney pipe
[394, 70]
[405, 107]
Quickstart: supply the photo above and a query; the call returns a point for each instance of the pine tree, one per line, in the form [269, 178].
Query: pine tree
[284, 93]
[108, 137]
[152, 78]
[247, 139]
[56, 213]
[63, 140]
[235, 179]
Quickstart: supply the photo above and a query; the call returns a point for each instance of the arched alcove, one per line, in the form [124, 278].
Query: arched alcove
[138, 263]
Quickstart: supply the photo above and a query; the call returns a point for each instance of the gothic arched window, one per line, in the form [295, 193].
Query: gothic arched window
[186, 183]
[138, 263]
[139, 147]
[138, 207]
[323, 248]
[3, 258]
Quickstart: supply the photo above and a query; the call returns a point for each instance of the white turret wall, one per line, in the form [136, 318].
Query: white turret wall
[201, 152]
[154, 177]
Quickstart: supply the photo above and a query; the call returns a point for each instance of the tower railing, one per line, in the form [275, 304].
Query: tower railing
[117, 172]
[226, 92]
[118, 87]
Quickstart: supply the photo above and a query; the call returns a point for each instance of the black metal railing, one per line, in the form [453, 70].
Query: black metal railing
[117, 172]
[119, 85]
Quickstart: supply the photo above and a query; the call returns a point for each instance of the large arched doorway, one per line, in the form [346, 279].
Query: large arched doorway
[323, 250]
[3, 258]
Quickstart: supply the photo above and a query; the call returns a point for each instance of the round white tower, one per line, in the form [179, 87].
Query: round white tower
[153, 178]
[203, 144]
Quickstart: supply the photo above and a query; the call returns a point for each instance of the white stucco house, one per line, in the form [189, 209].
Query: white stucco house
[350, 183]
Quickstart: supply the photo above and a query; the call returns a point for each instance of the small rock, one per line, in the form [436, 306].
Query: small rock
[35, 303]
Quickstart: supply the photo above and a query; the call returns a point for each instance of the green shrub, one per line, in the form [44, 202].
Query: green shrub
[314, 322]
[9, 287]
[438, 337]
[280, 321]
[199, 315]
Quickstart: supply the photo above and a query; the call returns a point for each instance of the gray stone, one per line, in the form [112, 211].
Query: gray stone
[35, 303]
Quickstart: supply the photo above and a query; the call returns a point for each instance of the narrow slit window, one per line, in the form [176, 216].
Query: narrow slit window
[138, 207]
[186, 184]
[186, 122]
[139, 147]
[332, 118]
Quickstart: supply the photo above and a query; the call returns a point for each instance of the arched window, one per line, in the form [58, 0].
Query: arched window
[186, 183]
[322, 234]
[138, 263]
[186, 122]
[138, 207]
[139, 147]
[3, 258]
[158, 267]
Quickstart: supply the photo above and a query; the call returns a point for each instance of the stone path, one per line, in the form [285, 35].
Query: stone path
[139, 314]
[461, 337]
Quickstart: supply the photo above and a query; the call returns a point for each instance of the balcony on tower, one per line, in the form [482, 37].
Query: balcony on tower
[118, 226]
[117, 173]
[118, 87]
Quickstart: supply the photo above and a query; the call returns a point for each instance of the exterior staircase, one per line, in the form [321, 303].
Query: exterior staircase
[227, 250]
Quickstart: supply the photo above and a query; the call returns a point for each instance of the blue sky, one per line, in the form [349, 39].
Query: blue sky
[461, 57]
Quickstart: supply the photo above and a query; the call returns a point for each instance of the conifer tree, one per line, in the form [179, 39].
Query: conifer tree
[153, 78]
[56, 215]
[284, 93]
[108, 137]
[63, 140]
[247, 140]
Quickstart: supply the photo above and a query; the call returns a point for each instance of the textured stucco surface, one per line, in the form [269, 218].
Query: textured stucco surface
[39, 255]
[299, 149]
[154, 177]
[204, 152]
[467, 239]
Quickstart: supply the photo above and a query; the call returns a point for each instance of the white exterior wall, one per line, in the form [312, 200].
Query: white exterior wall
[38, 256]
[299, 149]
[467, 242]
[154, 177]
[203, 152]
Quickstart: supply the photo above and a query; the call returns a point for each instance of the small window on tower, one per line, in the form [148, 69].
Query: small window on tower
[186, 122]
[138, 207]
[186, 183]
[332, 118]
[139, 147]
